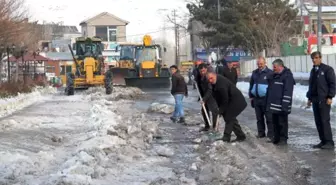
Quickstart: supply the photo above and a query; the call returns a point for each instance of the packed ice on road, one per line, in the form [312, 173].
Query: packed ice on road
[93, 138]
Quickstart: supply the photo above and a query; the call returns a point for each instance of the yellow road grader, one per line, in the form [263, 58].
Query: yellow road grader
[88, 66]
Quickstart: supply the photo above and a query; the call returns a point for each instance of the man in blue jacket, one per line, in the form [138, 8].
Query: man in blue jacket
[257, 94]
[320, 93]
[279, 100]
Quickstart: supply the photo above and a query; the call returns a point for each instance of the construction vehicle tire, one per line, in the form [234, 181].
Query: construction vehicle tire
[109, 82]
[70, 90]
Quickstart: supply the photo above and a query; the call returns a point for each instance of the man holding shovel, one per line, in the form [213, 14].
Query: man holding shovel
[208, 101]
[231, 103]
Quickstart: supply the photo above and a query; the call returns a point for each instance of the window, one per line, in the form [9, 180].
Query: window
[65, 69]
[50, 69]
[101, 31]
[112, 35]
[146, 54]
[107, 33]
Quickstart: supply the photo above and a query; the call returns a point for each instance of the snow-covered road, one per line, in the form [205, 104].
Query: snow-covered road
[88, 138]
[92, 138]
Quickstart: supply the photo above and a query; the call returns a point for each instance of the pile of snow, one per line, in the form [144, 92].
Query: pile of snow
[111, 146]
[301, 75]
[116, 154]
[161, 108]
[12, 104]
[249, 162]
[299, 94]
[130, 93]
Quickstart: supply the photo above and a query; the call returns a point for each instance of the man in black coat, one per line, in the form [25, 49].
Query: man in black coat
[179, 90]
[320, 93]
[220, 66]
[231, 103]
[279, 100]
[208, 100]
[230, 73]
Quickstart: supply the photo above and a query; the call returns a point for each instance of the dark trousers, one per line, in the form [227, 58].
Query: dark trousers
[214, 117]
[280, 127]
[322, 121]
[262, 115]
[232, 125]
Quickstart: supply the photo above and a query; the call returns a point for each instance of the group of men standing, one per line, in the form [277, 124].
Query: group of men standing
[270, 93]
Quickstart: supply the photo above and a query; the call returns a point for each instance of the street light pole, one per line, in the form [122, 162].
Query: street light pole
[218, 8]
[319, 26]
[8, 65]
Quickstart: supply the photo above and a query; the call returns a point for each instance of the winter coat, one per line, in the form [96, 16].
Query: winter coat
[230, 74]
[259, 83]
[280, 92]
[325, 83]
[220, 69]
[230, 100]
[179, 86]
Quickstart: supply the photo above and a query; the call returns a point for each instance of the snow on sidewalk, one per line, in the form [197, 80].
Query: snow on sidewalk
[297, 75]
[299, 94]
[88, 138]
[12, 104]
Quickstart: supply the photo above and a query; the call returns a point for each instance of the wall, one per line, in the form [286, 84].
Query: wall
[91, 31]
[295, 63]
[55, 65]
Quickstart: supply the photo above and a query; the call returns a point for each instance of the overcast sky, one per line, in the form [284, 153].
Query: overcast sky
[144, 15]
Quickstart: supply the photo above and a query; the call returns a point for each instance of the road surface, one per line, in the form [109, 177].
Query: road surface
[69, 140]
[302, 135]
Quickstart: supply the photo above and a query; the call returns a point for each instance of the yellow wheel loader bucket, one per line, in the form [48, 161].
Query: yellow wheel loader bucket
[148, 82]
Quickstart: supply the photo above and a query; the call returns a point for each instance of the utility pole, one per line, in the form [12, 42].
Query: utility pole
[302, 21]
[319, 26]
[177, 40]
[218, 7]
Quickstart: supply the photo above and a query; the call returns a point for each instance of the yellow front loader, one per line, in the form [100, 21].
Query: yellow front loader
[149, 71]
[88, 66]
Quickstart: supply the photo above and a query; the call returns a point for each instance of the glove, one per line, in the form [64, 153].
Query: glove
[252, 103]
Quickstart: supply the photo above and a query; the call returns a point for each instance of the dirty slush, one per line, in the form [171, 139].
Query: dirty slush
[93, 138]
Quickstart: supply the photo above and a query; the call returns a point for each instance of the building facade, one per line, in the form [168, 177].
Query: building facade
[108, 27]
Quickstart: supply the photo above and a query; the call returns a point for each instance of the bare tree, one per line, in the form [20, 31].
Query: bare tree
[15, 28]
[268, 28]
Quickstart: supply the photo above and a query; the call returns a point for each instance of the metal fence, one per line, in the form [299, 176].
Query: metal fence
[295, 63]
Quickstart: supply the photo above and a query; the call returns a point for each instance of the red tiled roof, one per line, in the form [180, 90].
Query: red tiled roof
[29, 57]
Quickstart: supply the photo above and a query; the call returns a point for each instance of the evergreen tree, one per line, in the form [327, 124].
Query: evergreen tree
[253, 25]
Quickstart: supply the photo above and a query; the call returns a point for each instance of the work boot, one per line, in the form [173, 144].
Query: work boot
[318, 145]
[173, 119]
[226, 138]
[259, 136]
[328, 145]
[269, 140]
[280, 142]
[182, 120]
[240, 138]
[205, 129]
